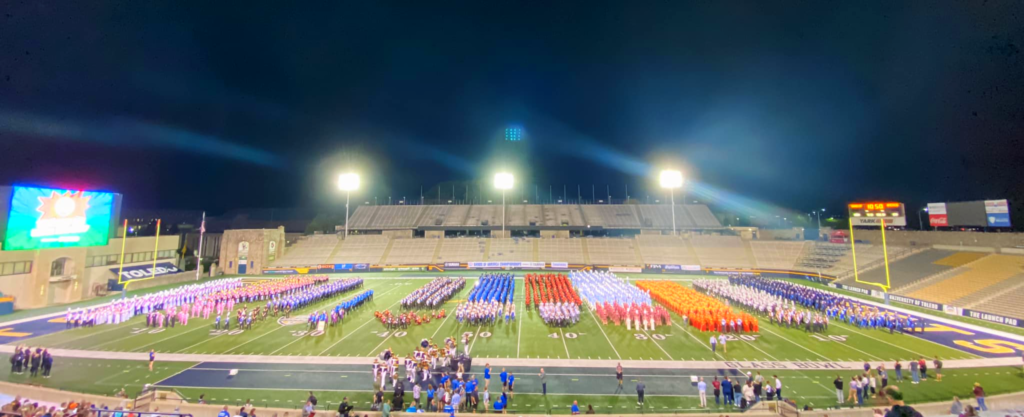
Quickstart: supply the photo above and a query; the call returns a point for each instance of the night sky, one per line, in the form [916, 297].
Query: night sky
[218, 105]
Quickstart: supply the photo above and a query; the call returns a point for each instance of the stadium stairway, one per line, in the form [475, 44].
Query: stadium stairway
[387, 250]
[636, 248]
[750, 252]
[935, 278]
[487, 249]
[586, 252]
[536, 248]
[437, 252]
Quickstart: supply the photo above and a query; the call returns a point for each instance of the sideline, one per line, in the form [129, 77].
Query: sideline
[552, 363]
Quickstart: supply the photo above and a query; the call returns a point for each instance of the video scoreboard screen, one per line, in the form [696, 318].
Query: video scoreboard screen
[42, 218]
[873, 213]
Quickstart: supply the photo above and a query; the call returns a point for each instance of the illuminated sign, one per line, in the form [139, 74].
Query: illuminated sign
[874, 213]
[42, 218]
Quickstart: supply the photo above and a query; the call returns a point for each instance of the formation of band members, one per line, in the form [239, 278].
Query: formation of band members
[405, 319]
[554, 297]
[615, 301]
[334, 316]
[829, 306]
[122, 310]
[703, 312]
[434, 294]
[285, 302]
[491, 299]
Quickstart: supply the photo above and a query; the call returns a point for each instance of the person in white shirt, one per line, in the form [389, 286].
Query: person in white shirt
[778, 386]
[702, 389]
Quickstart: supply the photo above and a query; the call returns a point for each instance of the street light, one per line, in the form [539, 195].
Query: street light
[920, 222]
[672, 179]
[348, 183]
[818, 214]
[503, 181]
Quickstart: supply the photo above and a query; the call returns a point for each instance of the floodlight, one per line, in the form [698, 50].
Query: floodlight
[503, 181]
[348, 182]
[671, 179]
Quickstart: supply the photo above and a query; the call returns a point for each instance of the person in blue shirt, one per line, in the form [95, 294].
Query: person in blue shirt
[487, 376]
[430, 397]
[575, 408]
[224, 412]
[152, 358]
[727, 390]
[504, 379]
[511, 385]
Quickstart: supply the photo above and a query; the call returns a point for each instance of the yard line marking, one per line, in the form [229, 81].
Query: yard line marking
[695, 338]
[360, 327]
[567, 355]
[605, 334]
[64, 343]
[475, 336]
[519, 334]
[795, 343]
[775, 359]
[143, 347]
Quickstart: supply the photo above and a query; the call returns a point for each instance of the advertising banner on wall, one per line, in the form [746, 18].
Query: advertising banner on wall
[997, 212]
[560, 265]
[937, 216]
[994, 318]
[129, 273]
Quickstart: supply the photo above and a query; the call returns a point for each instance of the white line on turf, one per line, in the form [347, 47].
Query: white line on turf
[598, 322]
[567, 355]
[475, 336]
[360, 327]
[794, 343]
[143, 347]
[522, 311]
[695, 338]
[667, 355]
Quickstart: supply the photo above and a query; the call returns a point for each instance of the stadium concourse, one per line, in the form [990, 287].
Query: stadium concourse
[277, 355]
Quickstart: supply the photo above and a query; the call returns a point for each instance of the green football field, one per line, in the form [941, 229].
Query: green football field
[527, 337]
[361, 335]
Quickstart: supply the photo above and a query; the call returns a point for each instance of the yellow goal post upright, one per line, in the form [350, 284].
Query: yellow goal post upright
[120, 268]
[885, 259]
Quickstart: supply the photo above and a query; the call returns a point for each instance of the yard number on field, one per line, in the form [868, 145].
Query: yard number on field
[831, 338]
[569, 335]
[399, 333]
[655, 336]
[138, 330]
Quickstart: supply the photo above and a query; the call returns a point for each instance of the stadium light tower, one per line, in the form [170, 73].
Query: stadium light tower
[672, 179]
[503, 181]
[348, 183]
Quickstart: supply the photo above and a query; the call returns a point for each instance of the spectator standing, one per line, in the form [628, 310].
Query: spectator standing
[923, 364]
[702, 388]
[979, 394]
[640, 387]
[575, 408]
[726, 391]
[544, 382]
[839, 388]
[344, 408]
[716, 387]
[914, 376]
[778, 386]
[618, 376]
[899, 371]
[938, 369]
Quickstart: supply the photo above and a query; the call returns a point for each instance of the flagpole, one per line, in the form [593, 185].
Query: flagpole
[199, 255]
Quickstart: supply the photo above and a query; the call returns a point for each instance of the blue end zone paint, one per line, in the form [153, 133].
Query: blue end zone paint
[357, 378]
[981, 343]
[11, 334]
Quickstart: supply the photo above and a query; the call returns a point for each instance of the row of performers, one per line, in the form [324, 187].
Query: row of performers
[124, 309]
[435, 293]
[403, 320]
[634, 315]
[336, 315]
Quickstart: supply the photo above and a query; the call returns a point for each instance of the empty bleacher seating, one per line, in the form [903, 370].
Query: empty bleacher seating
[483, 215]
[672, 250]
[991, 270]
[309, 250]
[361, 249]
[611, 215]
[560, 250]
[434, 215]
[611, 251]
[462, 250]
[660, 217]
[701, 215]
[1005, 303]
[721, 251]
[777, 254]
[411, 251]
[511, 250]
[395, 217]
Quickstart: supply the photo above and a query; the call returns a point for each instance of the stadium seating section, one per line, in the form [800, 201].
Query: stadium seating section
[722, 251]
[412, 251]
[1007, 302]
[987, 273]
[657, 249]
[560, 250]
[310, 250]
[361, 249]
[612, 251]
[777, 255]
[511, 250]
[463, 250]
[611, 216]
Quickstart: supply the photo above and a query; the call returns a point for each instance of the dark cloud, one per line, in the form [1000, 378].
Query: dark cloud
[797, 105]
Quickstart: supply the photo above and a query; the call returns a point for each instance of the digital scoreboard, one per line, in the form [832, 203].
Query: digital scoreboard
[874, 212]
[42, 218]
